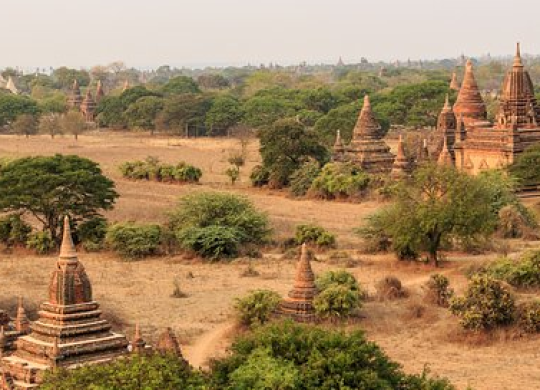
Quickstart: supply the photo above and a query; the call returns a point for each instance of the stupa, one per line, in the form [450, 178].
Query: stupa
[367, 148]
[299, 303]
[454, 83]
[469, 102]
[168, 344]
[75, 99]
[69, 332]
[99, 92]
[402, 165]
[88, 107]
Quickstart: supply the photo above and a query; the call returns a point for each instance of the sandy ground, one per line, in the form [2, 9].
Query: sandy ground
[412, 332]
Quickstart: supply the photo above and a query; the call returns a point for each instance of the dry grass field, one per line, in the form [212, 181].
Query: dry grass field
[410, 331]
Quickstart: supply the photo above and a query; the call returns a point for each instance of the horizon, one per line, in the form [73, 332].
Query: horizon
[191, 33]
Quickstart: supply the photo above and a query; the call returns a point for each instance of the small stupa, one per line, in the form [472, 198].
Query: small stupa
[402, 165]
[75, 99]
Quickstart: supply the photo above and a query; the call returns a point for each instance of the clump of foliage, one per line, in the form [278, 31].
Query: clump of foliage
[153, 169]
[314, 234]
[374, 232]
[439, 204]
[525, 168]
[516, 223]
[217, 225]
[339, 295]
[340, 180]
[133, 240]
[302, 179]
[233, 172]
[13, 230]
[523, 273]
[438, 290]
[390, 287]
[257, 307]
[54, 187]
[41, 242]
[292, 356]
[486, 305]
[91, 233]
[260, 176]
[529, 317]
[155, 371]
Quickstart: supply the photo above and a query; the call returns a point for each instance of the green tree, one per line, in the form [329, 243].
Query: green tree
[143, 113]
[263, 111]
[286, 146]
[12, 106]
[25, 124]
[110, 112]
[224, 113]
[49, 188]
[213, 81]
[181, 85]
[184, 112]
[525, 168]
[64, 77]
[439, 203]
[154, 372]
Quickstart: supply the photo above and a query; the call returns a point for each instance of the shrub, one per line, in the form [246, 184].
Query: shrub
[91, 233]
[524, 273]
[529, 317]
[260, 176]
[314, 234]
[438, 290]
[213, 242]
[302, 179]
[257, 307]
[13, 230]
[134, 240]
[233, 173]
[41, 242]
[340, 180]
[515, 222]
[339, 295]
[389, 288]
[338, 278]
[486, 305]
[230, 219]
[376, 239]
[153, 169]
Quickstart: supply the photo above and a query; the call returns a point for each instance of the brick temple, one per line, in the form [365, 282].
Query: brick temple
[367, 148]
[87, 106]
[69, 331]
[299, 303]
[474, 143]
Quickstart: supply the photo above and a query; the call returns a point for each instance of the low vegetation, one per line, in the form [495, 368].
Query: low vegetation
[522, 273]
[339, 295]
[153, 169]
[257, 307]
[133, 240]
[313, 234]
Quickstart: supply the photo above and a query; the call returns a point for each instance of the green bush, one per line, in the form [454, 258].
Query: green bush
[234, 173]
[230, 219]
[260, 176]
[340, 180]
[529, 317]
[153, 169]
[523, 273]
[213, 242]
[486, 305]
[314, 234]
[257, 307]
[91, 233]
[303, 357]
[438, 290]
[13, 230]
[339, 295]
[302, 179]
[41, 242]
[134, 240]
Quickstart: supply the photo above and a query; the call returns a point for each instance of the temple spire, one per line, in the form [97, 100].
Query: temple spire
[447, 106]
[67, 249]
[469, 101]
[338, 145]
[22, 324]
[138, 345]
[402, 166]
[517, 59]
[454, 84]
[367, 126]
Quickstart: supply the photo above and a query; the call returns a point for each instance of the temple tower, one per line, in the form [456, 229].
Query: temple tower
[454, 83]
[88, 107]
[469, 102]
[69, 331]
[75, 99]
[299, 303]
[445, 157]
[338, 148]
[446, 127]
[99, 92]
[402, 166]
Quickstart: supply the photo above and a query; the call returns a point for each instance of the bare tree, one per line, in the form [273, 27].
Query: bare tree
[73, 123]
[25, 124]
[50, 124]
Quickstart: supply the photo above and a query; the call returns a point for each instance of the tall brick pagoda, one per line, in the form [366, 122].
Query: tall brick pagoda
[69, 332]
[88, 107]
[469, 102]
[75, 99]
[367, 148]
[299, 303]
[100, 93]
[482, 145]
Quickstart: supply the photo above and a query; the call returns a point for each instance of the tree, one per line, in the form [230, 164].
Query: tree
[73, 123]
[263, 111]
[286, 146]
[224, 113]
[525, 168]
[153, 372]
[181, 85]
[25, 124]
[184, 112]
[50, 124]
[212, 81]
[143, 113]
[11, 106]
[438, 204]
[49, 188]
[65, 76]
[110, 112]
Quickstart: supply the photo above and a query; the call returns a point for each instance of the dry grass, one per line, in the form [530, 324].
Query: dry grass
[410, 332]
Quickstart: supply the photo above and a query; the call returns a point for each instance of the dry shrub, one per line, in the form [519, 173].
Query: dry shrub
[437, 290]
[177, 292]
[390, 288]
[513, 223]
[250, 272]
[342, 259]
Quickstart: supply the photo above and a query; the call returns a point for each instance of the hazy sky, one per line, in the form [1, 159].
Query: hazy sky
[199, 32]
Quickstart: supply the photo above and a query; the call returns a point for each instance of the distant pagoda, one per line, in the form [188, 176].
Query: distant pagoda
[69, 332]
[299, 303]
[446, 130]
[75, 99]
[100, 93]
[88, 107]
[454, 83]
[402, 166]
[367, 148]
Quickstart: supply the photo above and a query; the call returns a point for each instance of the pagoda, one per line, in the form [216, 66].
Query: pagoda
[482, 145]
[446, 129]
[10, 85]
[88, 107]
[69, 332]
[402, 166]
[469, 102]
[367, 148]
[168, 344]
[75, 99]
[299, 303]
[99, 92]
[454, 83]
[10, 329]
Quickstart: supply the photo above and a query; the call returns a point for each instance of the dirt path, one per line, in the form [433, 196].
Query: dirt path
[206, 346]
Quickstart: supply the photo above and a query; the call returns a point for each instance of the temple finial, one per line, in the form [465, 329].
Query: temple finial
[67, 250]
[367, 103]
[447, 103]
[517, 58]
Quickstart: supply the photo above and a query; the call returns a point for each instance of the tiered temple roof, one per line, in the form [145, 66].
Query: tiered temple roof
[446, 128]
[469, 102]
[88, 107]
[367, 148]
[299, 303]
[69, 331]
[75, 99]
